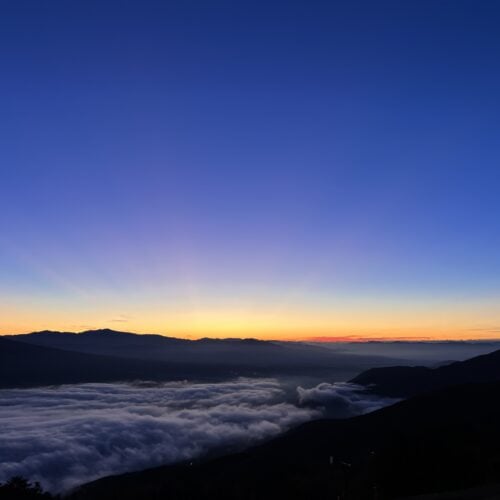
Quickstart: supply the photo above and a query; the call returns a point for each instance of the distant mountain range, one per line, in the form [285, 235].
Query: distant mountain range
[27, 365]
[168, 349]
[417, 352]
[47, 357]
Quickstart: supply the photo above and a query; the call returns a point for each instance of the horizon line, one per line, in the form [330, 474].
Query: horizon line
[314, 339]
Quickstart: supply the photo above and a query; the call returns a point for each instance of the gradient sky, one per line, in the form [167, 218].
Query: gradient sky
[261, 168]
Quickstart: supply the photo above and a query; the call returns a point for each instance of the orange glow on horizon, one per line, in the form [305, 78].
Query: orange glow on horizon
[391, 336]
[312, 320]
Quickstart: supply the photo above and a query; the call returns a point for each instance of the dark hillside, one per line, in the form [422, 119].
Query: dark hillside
[404, 381]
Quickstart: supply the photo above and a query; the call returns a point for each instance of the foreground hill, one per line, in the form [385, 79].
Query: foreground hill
[253, 357]
[404, 381]
[441, 441]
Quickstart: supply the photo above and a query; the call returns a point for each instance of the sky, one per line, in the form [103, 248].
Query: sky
[268, 169]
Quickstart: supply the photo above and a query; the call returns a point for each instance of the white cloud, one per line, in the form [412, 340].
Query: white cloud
[343, 399]
[64, 436]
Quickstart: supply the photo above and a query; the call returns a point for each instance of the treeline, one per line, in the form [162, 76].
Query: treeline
[19, 488]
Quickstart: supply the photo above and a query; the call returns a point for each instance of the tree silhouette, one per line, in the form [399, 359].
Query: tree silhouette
[19, 488]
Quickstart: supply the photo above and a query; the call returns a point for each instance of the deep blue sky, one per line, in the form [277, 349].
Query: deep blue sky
[217, 167]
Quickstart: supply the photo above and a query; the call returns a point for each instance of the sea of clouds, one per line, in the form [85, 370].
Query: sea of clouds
[67, 435]
[342, 399]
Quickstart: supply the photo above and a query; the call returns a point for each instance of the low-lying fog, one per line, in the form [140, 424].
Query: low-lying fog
[412, 353]
[64, 436]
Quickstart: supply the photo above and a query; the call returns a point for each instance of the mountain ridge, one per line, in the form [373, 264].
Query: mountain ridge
[266, 357]
[404, 381]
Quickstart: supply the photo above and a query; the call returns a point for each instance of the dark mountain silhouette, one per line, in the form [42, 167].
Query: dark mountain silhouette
[25, 365]
[440, 441]
[232, 356]
[158, 347]
[404, 381]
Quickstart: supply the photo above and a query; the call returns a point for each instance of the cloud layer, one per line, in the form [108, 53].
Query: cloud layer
[64, 436]
[68, 435]
[342, 400]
